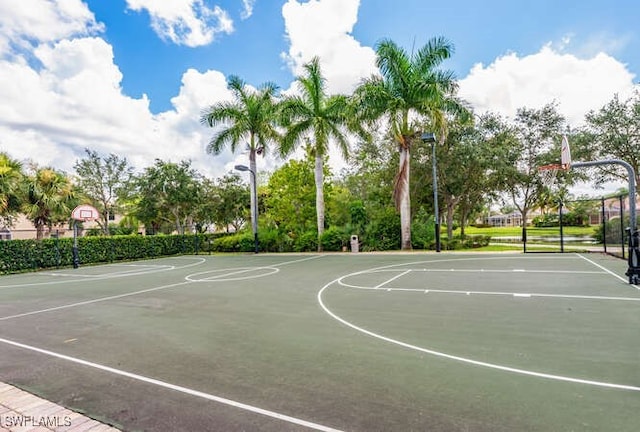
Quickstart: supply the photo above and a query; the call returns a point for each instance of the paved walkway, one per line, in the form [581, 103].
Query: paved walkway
[23, 412]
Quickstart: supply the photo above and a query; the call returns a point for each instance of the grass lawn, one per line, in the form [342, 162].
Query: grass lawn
[531, 231]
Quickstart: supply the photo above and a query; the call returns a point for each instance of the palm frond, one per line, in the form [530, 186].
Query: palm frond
[433, 53]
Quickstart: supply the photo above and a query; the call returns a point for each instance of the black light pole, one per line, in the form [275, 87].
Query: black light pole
[254, 215]
[430, 137]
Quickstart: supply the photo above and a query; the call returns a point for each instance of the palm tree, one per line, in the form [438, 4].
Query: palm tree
[409, 91]
[49, 199]
[313, 118]
[10, 182]
[250, 118]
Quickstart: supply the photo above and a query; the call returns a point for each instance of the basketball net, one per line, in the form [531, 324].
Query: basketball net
[549, 173]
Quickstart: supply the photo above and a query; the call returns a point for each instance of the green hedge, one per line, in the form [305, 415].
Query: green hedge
[466, 242]
[26, 255]
[29, 255]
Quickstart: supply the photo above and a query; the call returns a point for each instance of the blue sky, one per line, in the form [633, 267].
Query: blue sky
[480, 31]
[132, 76]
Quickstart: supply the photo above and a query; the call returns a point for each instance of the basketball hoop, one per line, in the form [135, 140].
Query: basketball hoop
[549, 174]
[81, 213]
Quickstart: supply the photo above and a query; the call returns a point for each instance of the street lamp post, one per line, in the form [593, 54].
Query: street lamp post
[254, 214]
[430, 137]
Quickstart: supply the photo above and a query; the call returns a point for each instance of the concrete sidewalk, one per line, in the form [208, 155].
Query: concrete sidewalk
[23, 412]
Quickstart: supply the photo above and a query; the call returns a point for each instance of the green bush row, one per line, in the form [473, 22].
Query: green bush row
[466, 242]
[25, 255]
[336, 239]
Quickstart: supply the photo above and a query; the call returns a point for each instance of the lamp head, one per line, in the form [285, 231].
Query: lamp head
[428, 137]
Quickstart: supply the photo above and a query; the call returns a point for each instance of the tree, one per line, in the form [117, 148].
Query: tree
[463, 171]
[369, 177]
[614, 133]
[410, 88]
[49, 198]
[11, 180]
[529, 142]
[314, 118]
[168, 193]
[251, 118]
[100, 180]
[229, 207]
[291, 192]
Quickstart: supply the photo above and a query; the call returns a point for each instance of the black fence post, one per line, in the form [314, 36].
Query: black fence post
[622, 230]
[604, 228]
[634, 256]
[561, 229]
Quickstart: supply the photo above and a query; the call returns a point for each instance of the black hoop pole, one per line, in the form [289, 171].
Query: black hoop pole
[560, 220]
[74, 251]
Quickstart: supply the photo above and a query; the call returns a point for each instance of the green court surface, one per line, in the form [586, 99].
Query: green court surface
[353, 342]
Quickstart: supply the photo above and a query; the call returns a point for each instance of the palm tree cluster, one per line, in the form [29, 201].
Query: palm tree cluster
[409, 92]
[44, 195]
[385, 193]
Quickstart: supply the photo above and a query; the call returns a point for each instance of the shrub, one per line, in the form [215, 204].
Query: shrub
[333, 239]
[547, 220]
[613, 232]
[423, 230]
[24, 255]
[466, 242]
[306, 242]
[383, 233]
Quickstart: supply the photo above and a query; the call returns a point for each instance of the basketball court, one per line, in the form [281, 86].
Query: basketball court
[353, 342]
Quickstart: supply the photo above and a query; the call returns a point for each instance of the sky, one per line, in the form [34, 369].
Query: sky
[132, 77]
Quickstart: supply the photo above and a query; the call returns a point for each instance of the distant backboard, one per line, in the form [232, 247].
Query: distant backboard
[565, 153]
[85, 212]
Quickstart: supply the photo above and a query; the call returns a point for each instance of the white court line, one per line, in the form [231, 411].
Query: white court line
[231, 272]
[86, 276]
[392, 279]
[113, 275]
[114, 297]
[177, 388]
[491, 293]
[101, 299]
[464, 359]
[133, 271]
[298, 260]
[440, 270]
[605, 269]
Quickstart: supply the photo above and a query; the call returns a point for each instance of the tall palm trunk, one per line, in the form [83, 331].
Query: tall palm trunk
[403, 198]
[39, 231]
[319, 177]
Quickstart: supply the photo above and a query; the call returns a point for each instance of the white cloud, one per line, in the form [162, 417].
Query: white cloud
[577, 85]
[247, 8]
[73, 98]
[75, 101]
[322, 28]
[185, 22]
[27, 22]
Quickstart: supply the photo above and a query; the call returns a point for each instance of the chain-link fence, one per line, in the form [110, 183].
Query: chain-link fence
[609, 218]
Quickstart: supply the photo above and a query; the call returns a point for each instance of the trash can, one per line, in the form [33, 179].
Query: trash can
[355, 246]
